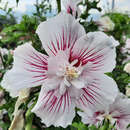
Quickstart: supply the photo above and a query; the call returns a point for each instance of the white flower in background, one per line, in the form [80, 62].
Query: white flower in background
[71, 7]
[127, 47]
[105, 24]
[127, 44]
[72, 75]
[127, 68]
[4, 51]
[117, 113]
[0, 37]
[128, 91]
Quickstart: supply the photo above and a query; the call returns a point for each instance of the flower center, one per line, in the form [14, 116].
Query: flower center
[71, 73]
[108, 117]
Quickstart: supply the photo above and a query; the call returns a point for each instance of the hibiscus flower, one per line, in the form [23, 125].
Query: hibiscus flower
[118, 114]
[71, 75]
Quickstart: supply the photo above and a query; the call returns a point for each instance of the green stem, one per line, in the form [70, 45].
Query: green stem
[59, 5]
[2, 60]
[29, 123]
[29, 118]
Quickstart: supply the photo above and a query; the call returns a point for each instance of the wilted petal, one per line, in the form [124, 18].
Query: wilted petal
[59, 33]
[97, 49]
[18, 121]
[29, 70]
[23, 96]
[54, 108]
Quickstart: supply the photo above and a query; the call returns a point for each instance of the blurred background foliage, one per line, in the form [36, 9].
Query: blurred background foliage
[14, 34]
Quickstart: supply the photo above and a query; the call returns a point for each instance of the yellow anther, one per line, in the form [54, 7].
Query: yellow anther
[108, 117]
[71, 73]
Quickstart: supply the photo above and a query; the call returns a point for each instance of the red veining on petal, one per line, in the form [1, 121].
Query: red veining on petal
[88, 101]
[96, 57]
[41, 58]
[36, 63]
[73, 40]
[58, 46]
[81, 101]
[63, 37]
[65, 102]
[89, 94]
[96, 94]
[51, 51]
[54, 103]
[53, 46]
[69, 40]
[60, 103]
[39, 79]
[49, 95]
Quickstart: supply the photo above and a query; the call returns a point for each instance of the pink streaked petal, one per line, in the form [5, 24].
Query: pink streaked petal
[120, 110]
[54, 108]
[59, 33]
[95, 48]
[77, 83]
[29, 69]
[94, 94]
[122, 124]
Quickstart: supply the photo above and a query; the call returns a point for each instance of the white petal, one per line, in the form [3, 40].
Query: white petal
[62, 88]
[55, 109]
[87, 118]
[51, 83]
[57, 64]
[29, 70]
[100, 91]
[98, 49]
[59, 33]
[74, 92]
[78, 83]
